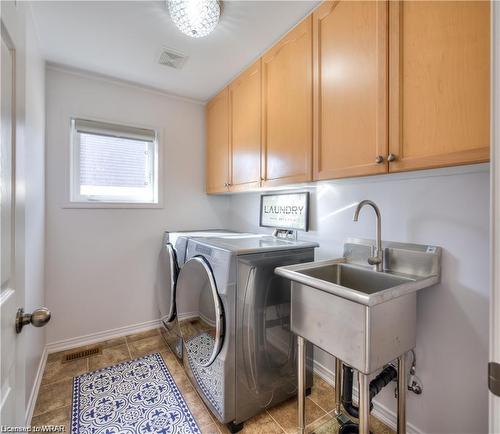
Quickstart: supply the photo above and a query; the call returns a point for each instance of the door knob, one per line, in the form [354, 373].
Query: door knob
[379, 159]
[38, 318]
[391, 157]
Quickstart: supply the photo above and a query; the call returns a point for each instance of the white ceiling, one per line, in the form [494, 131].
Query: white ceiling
[122, 39]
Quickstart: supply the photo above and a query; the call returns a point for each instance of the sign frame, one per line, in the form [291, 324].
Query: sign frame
[306, 194]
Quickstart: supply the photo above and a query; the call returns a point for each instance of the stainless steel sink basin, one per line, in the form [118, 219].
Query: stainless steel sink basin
[353, 277]
[356, 282]
[364, 317]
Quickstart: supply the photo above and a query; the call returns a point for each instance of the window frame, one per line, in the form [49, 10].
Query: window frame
[73, 198]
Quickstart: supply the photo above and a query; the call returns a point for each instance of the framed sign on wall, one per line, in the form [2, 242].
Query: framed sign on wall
[285, 211]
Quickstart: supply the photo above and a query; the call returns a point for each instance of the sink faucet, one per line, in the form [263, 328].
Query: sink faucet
[378, 259]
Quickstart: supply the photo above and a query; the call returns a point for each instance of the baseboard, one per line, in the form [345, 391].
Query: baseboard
[30, 408]
[325, 373]
[186, 316]
[381, 412]
[94, 338]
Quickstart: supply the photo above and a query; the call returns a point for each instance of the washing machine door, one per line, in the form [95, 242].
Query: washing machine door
[168, 273]
[199, 311]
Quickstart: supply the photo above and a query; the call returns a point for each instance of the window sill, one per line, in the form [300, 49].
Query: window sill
[110, 205]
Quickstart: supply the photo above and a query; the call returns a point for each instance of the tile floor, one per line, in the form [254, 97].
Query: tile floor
[53, 406]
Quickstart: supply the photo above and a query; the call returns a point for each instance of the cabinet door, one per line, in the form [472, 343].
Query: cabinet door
[439, 79]
[217, 119]
[350, 45]
[287, 108]
[245, 105]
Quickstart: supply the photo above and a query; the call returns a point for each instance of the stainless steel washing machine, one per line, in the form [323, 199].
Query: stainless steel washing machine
[234, 319]
[171, 258]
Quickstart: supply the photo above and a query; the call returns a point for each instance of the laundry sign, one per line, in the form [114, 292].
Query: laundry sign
[285, 211]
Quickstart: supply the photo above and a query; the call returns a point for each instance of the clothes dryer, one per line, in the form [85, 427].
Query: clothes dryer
[234, 319]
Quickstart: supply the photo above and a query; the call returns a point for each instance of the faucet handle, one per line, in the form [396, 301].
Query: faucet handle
[375, 260]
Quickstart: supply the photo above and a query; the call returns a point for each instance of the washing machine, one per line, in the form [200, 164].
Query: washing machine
[234, 319]
[171, 258]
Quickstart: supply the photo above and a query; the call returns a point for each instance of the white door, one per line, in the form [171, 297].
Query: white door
[494, 366]
[11, 366]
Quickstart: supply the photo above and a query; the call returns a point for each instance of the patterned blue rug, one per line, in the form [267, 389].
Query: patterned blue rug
[135, 397]
[210, 378]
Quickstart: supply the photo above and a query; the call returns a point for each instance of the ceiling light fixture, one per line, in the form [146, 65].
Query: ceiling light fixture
[196, 18]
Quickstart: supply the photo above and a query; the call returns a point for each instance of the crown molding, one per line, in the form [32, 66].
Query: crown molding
[59, 67]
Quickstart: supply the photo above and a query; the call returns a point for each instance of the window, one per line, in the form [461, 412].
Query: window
[113, 163]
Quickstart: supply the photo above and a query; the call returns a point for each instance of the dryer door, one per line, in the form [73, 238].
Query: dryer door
[168, 272]
[200, 312]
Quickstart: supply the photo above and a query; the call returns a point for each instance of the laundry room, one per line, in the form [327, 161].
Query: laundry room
[250, 216]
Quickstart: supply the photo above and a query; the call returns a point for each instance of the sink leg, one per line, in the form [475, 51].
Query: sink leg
[301, 376]
[402, 395]
[364, 404]
[338, 385]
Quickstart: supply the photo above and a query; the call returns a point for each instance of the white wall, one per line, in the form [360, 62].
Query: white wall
[101, 263]
[34, 338]
[449, 208]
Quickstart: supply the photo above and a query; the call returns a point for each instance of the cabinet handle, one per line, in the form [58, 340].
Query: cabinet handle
[379, 159]
[391, 157]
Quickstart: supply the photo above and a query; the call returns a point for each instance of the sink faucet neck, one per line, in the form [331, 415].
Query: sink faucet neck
[378, 259]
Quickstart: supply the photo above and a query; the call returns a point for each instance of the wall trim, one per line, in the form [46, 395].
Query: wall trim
[381, 412]
[60, 67]
[66, 344]
[494, 321]
[30, 408]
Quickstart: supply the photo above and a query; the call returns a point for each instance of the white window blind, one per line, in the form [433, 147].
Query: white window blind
[113, 163]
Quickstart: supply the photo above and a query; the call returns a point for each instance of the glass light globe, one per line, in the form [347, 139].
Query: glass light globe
[196, 18]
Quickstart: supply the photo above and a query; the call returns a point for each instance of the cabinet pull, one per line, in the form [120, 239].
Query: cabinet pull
[391, 157]
[379, 159]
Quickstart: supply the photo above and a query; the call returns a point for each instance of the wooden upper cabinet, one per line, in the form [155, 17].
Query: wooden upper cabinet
[439, 79]
[350, 48]
[245, 107]
[287, 108]
[357, 88]
[217, 127]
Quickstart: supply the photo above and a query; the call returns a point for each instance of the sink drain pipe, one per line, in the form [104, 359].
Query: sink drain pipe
[347, 380]
[388, 374]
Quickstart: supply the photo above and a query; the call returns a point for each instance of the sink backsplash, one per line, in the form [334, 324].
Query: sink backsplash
[405, 258]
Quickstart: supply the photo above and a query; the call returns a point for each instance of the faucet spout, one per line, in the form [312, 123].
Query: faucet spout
[378, 259]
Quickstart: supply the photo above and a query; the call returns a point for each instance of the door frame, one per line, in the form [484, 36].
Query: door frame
[13, 15]
[494, 401]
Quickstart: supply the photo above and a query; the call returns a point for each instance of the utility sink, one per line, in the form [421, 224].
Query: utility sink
[353, 277]
[365, 317]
